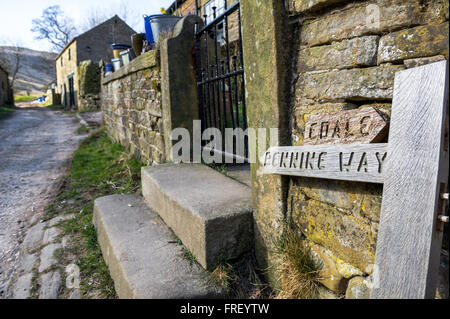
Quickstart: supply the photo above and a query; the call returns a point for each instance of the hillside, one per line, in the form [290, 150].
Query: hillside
[36, 72]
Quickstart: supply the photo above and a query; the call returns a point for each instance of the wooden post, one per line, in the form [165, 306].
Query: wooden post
[410, 237]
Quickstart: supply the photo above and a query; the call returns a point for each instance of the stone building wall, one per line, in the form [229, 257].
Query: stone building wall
[347, 53]
[95, 44]
[66, 63]
[5, 92]
[131, 105]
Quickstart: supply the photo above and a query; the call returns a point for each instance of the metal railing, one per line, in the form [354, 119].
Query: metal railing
[220, 75]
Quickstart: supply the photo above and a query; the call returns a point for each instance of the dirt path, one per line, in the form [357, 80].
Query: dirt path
[36, 144]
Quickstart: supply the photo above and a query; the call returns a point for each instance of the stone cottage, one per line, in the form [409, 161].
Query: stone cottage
[77, 73]
[5, 91]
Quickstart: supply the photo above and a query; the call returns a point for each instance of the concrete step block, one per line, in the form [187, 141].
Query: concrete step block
[209, 212]
[143, 258]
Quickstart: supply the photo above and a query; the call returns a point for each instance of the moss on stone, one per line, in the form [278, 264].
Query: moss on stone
[422, 41]
[89, 78]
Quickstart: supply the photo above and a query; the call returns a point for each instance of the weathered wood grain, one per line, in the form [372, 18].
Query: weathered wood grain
[353, 126]
[352, 162]
[409, 240]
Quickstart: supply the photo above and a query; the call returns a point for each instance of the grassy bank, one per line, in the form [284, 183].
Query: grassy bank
[99, 167]
[5, 112]
[25, 98]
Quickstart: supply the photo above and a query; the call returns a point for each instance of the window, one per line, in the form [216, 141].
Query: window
[209, 12]
[62, 61]
[69, 54]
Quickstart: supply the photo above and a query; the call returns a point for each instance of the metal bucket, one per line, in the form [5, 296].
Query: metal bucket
[116, 63]
[162, 24]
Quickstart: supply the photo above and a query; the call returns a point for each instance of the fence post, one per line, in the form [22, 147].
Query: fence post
[178, 81]
[410, 234]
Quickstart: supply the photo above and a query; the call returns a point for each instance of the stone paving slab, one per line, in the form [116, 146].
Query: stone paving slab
[143, 258]
[26, 263]
[50, 235]
[22, 287]
[34, 236]
[50, 285]
[55, 221]
[47, 257]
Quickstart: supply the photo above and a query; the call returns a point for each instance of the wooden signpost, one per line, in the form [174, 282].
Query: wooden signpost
[413, 167]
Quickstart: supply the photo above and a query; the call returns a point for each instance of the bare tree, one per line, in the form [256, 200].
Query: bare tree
[93, 19]
[97, 15]
[123, 10]
[11, 60]
[55, 27]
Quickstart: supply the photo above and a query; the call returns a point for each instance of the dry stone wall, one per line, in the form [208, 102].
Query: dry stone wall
[347, 55]
[131, 105]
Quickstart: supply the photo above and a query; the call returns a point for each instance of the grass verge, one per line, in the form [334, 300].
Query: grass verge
[242, 278]
[300, 272]
[5, 112]
[99, 167]
[25, 98]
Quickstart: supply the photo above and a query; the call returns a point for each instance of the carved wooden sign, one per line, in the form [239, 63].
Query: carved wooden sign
[413, 167]
[353, 126]
[353, 162]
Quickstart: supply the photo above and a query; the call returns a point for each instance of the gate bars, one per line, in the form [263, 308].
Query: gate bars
[220, 77]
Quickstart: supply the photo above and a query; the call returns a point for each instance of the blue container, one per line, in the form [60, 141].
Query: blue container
[148, 29]
[158, 24]
[109, 67]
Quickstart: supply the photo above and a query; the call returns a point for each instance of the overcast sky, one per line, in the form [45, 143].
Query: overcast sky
[16, 16]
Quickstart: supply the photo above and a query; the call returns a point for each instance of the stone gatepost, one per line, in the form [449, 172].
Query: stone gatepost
[263, 26]
[178, 82]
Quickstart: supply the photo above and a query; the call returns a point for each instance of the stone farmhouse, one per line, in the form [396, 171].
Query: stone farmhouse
[78, 79]
[5, 91]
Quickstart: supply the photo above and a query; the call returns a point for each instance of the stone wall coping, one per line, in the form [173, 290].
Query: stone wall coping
[144, 61]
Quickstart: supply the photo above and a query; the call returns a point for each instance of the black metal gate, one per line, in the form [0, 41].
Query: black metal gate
[220, 76]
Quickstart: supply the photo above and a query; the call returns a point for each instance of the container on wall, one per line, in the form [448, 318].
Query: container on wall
[117, 48]
[158, 24]
[116, 63]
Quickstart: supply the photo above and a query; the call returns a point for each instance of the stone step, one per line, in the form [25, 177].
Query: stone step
[142, 255]
[209, 212]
